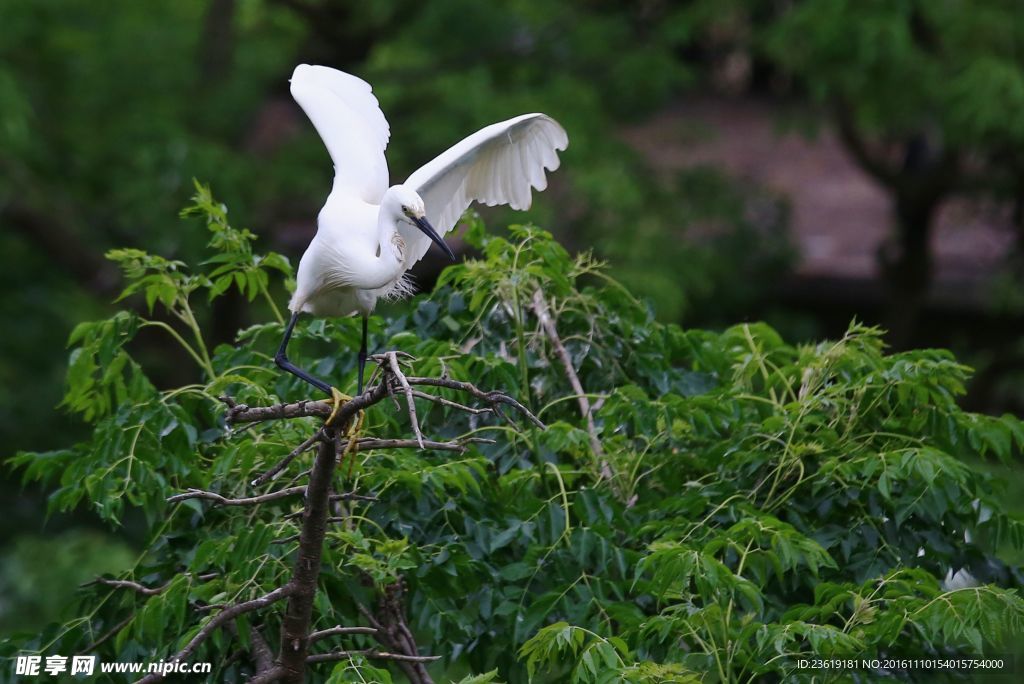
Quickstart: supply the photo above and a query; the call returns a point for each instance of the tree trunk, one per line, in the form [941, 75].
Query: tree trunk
[906, 264]
[298, 615]
[217, 43]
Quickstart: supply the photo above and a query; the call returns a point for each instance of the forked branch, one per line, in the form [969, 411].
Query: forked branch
[333, 443]
[229, 613]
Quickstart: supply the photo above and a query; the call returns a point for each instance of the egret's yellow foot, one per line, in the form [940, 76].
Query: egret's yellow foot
[338, 399]
[354, 430]
[357, 425]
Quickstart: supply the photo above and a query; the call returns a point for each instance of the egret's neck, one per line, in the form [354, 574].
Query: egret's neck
[388, 264]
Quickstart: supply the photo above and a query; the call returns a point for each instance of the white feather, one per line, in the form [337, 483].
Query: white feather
[348, 119]
[499, 164]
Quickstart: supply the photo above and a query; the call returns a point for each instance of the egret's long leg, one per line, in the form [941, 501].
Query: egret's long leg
[362, 358]
[281, 359]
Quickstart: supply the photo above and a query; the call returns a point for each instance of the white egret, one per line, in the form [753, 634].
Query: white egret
[368, 235]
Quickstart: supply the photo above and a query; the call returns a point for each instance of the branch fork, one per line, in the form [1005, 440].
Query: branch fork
[387, 625]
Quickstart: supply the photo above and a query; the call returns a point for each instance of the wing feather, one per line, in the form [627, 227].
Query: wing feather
[500, 164]
[349, 120]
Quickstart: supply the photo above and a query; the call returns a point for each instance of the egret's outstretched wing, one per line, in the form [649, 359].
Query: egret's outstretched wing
[499, 164]
[348, 118]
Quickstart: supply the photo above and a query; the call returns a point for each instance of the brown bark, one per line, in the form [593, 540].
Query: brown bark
[298, 616]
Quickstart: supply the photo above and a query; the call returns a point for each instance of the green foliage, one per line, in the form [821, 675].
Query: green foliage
[891, 63]
[359, 669]
[138, 435]
[738, 503]
[486, 678]
[235, 261]
[597, 659]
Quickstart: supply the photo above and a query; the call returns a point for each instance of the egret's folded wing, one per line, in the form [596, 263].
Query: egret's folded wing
[499, 164]
[348, 119]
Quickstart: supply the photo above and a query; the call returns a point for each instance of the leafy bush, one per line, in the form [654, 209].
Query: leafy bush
[712, 503]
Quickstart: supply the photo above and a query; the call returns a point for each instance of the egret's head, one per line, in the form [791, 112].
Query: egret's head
[407, 201]
[407, 205]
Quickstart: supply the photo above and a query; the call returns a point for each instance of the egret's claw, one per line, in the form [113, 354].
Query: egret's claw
[338, 399]
[354, 430]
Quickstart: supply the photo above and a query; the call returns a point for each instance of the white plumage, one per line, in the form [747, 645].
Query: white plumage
[369, 234]
[499, 164]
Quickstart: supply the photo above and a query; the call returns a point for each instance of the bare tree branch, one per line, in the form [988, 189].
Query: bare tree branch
[399, 376]
[245, 501]
[141, 588]
[332, 631]
[283, 463]
[241, 413]
[307, 408]
[109, 633]
[493, 398]
[394, 634]
[347, 496]
[448, 402]
[367, 443]
[352, 496]
[369, 653]
[275, 674]
[263, 656]
[456, 445]
[259, 651]
[285, 540]
[540, 307]
[219, 619]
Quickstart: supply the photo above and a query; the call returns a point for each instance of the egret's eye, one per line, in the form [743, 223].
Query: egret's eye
[405, 209]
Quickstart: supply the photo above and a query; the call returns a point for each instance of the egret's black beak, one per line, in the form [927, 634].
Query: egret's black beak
[428, 230]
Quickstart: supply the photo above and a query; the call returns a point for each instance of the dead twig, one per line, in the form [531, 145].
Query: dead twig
[347, 496]
[493, 398]
[292, 455]
[244, 501]
[369, 653]
[410, 401]
[547, 323]
[139, 588]
[366, 444]
[109, 633]
[449, 402]
[333, 631]
[352, 496]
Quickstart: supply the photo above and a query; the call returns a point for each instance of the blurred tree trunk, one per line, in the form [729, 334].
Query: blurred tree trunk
[918, 185]
[215, 58]
[217, 43]
[342, 32]
[906, 264]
